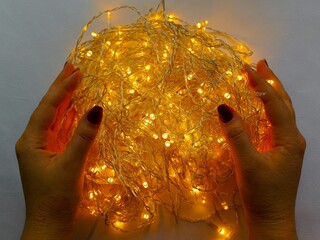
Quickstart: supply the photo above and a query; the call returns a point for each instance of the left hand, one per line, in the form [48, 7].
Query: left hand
[52, 175]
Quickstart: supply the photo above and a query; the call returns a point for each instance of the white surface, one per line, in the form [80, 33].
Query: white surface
[36, 37]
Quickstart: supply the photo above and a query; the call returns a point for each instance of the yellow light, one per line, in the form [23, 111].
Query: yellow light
[200, 91]
[190, 76]
[160, 82]
[165, 135]
[91, 195]
[224, 205]
[110, 180]
[145, 184]
[147, 67]
[89, 53]
[220, 140]
[117, 197]
[195, 190]
[152, 116]
[227, 95]
[146, 216]
[229, 73]
[270, 81]
[222, 231]
[94, 34]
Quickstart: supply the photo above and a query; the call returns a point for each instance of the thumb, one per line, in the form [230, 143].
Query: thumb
[237, 138]
[83, 137]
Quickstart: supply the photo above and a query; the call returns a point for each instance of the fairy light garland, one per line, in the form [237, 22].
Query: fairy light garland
[160, 82]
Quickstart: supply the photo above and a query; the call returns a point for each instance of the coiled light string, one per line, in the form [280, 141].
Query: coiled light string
[160, 82]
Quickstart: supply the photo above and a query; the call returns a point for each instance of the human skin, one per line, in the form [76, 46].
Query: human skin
[267, 180]
[52, 174]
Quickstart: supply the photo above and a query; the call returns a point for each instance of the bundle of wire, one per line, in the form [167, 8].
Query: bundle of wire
[160, 82]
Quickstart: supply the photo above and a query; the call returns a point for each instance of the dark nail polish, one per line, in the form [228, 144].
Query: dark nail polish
[65, 64]
[95, 115]
[266, 62]
[77, 69]
[225, 113]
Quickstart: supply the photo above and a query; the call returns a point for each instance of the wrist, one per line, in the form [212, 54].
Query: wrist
[272, 229]
[45, 230]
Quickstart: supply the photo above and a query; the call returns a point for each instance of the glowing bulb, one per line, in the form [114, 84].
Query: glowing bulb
[222, 231]
[147, 67]
[145, 184]
[224, 205]
[167, 143]
[146, 216]
[155, 136]
[165, 135]
[239, 77]
[227, 95]
[117, 197]
[110, 180]
[91, 195]
[89, 53]
[152, 116]
[198, 25]
[118, 224]
[94, 34]
[131, 91]
[220, 140]
[190, 76]
[200, 91]
[203, 201]
[195, 190]
[229, 73]
[270, 81]
[108, 43]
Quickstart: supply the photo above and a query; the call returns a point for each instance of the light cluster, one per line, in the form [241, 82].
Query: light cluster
[160, 82]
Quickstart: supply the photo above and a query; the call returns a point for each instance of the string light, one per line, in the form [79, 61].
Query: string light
[160, 82]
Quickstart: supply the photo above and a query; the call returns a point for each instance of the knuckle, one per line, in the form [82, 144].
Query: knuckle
[86, 135]
[235, 132]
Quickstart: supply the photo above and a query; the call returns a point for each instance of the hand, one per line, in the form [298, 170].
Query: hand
[267, 180]
[52, 175]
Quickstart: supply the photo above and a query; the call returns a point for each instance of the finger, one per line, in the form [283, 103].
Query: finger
[45, 114]
[278, 113]
[61, 112]
[67, 70]
[237, 137]
[82, 139]
[266, 73]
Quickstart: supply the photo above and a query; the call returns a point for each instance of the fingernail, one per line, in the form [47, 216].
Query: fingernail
[77, 69]
[265, 61]
[95, 115]
[65, 64]
[225, 113]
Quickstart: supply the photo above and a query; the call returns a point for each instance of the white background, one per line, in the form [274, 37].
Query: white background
[37, 36]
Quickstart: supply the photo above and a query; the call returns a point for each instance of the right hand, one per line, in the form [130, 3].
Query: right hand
[267, 180]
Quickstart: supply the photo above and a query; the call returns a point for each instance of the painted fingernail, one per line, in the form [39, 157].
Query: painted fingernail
[95, 115]
[225, 113]
[77, 69]
[265, 61]
[65, 64]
